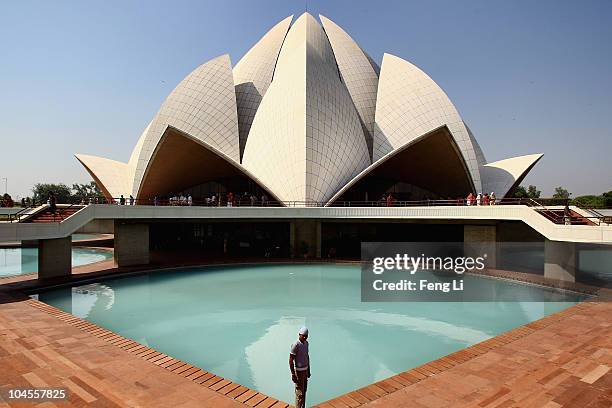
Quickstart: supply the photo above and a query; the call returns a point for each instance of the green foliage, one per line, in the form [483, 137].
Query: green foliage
[560, 192]
[65, 195]
[533, 192]
[529, 192]
[82, 192]
[6, 200]
[607, 199]
[592, 201]
[41, 193]
[520, 192]
[589, 201]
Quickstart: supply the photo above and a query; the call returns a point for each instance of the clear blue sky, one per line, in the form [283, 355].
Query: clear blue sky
[86, 77]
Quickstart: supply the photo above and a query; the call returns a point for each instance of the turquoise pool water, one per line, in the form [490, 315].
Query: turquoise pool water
[239, 322]
[20, 261]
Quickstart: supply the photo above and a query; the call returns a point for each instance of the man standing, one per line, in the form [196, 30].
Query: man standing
[299, 365]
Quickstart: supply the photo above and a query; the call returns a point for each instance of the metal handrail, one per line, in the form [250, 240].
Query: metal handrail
[550, 213]
[300, 203]
[18, 214]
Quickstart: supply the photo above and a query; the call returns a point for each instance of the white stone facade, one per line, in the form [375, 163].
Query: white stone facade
[305, 114]
[501, 176]
[253, 75]
[411, 104]
[358, 74]
[202, 105]
[306, 141]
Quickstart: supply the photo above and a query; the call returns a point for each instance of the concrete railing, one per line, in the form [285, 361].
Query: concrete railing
[554, 232]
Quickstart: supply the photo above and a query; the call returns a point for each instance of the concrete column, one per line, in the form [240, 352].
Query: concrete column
[305, 234]
[131, 244]
[54, 257]
[560, 260]
[479, 240]
[98, 226]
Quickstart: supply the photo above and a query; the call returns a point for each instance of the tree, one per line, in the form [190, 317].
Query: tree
[529, 192]
[589, 201]
[520, 192]
[607, 199]
[82, 192]
[41, 193]
[561, 193]
[533, 192]
[6, 200]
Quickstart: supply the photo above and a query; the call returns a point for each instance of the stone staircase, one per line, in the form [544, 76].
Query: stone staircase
[62, 212]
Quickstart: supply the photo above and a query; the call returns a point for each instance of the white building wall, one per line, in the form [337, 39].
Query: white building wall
[202, 105]
[410, 104]
[253, 75]
[306, 140]
[358, 74]
[112, 174]
[500, 176]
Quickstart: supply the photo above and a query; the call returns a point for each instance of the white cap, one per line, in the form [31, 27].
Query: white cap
[303, 331]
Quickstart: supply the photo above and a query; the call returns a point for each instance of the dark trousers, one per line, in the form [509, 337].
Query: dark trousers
[300, 389]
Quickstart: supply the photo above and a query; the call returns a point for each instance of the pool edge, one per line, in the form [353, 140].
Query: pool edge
[363, 395]
[397, 382]
[215, 383]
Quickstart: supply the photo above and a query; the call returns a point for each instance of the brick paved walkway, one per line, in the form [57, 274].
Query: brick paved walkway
[40, 350]
[563, 360]
[564, 364]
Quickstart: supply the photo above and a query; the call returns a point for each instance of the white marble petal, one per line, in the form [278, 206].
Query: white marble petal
[358, 72]
[410, 104]
[203, 105]
[306, 140]
[500, 176]
[253, 75]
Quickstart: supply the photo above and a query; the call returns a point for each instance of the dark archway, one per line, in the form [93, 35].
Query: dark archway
[431, 167]
[180, 164]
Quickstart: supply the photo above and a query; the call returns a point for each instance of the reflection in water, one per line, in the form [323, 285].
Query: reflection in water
[239, 322]
[21, 261]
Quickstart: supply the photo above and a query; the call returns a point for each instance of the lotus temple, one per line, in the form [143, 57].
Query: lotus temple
[251, 205]
[307, 117]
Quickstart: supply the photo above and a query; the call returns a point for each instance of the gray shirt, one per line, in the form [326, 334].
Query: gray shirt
[300, 352]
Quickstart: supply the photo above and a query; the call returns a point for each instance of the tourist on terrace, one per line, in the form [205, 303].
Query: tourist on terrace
[299, 365]
[52, 202]
[230, 199]
[492, 198]
[155, 201]
[264, 200]
[389, 200]
[469, 199]
[478, 199]
[131, 199]
[189, 200]
[122, 200]
[485, 199]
